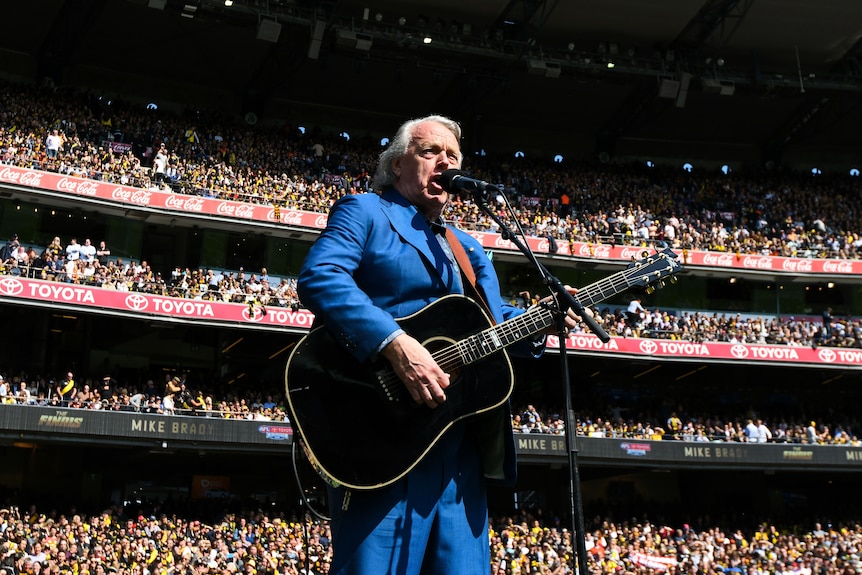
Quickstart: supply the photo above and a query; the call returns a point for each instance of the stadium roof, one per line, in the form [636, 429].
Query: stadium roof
[747, 80]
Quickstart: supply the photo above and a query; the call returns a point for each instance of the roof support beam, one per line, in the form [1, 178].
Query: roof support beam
[717, 20]
[533, 14]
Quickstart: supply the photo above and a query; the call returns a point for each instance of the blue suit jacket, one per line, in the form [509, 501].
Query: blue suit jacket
[379, 260]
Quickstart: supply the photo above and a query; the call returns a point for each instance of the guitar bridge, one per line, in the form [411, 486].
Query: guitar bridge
[390, 386]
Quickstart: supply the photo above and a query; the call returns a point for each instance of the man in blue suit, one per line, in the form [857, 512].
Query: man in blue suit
[385, 256]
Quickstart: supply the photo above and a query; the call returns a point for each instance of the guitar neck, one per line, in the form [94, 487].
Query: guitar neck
[537, 319]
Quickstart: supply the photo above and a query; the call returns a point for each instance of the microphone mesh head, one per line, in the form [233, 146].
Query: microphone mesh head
[447, 179]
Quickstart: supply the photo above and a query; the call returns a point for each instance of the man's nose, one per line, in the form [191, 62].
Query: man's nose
[443, 159]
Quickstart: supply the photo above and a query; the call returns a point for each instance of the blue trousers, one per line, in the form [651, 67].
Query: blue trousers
[434, 521]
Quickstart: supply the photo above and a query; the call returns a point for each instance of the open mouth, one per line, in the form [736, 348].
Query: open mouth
[434, 183]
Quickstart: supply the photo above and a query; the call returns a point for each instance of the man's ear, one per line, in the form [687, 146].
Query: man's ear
[396, 166]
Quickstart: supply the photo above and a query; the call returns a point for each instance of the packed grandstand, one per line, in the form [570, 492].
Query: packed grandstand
[776, 213]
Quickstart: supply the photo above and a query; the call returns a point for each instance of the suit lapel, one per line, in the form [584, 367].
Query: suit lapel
[412, 227]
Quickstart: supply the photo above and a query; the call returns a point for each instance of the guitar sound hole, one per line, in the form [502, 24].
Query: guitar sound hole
[445, 354]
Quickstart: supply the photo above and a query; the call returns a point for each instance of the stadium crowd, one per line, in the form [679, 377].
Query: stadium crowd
[701, 428]
[777, 213]
[132, 541]
[194, 153]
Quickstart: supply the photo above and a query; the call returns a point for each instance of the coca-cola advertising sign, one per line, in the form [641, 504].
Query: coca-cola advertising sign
[719, 260]
[117, 147]
[134, 196]
[796, 265]
[185, 203]
[291, 217]
[77, 186]
[757, 262]
[839, 267]
[20, 176]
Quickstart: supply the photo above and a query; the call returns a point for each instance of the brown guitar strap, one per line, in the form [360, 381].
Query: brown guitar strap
[467, 271]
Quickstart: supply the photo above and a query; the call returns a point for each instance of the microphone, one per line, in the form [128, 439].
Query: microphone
[454, 181]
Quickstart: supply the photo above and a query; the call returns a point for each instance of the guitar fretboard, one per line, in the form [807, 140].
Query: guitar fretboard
[535, 320]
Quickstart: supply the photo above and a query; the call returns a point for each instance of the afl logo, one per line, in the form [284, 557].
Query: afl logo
[11, 286]
[739, 351]
[136, 302]
[649, 346]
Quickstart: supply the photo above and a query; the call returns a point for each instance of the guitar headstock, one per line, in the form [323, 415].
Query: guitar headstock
[653, 268]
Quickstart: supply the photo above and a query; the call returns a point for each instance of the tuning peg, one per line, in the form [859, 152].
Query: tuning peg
[661, 284]
[673, 279]
[650, 289]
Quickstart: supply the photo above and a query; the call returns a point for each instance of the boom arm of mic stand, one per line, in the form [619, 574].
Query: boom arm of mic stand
[564, 299]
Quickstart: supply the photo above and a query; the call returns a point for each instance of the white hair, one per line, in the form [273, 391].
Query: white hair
[397, 148]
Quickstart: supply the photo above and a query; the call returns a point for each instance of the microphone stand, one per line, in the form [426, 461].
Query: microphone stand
[565, 301]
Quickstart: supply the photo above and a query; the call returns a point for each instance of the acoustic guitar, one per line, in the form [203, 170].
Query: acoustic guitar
[357, 423]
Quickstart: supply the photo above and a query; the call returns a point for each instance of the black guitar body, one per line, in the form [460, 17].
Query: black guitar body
[357, 423]
[359, 426]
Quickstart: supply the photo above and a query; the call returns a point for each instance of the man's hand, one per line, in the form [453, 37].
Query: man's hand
[414, 365]
[572, 319]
